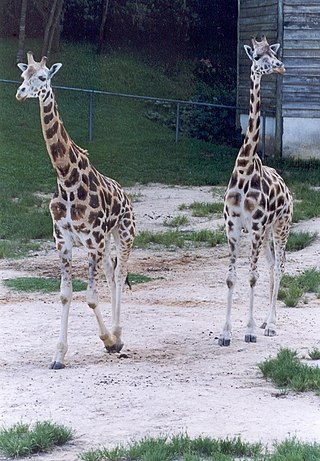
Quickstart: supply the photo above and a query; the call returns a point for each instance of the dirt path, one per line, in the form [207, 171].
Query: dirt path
[172, 376]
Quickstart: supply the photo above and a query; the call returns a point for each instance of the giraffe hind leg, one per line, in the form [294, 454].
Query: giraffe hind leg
[233, 234]
[117, 274]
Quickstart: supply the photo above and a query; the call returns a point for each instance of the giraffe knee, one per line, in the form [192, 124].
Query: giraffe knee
[253, 279]
[231, 279]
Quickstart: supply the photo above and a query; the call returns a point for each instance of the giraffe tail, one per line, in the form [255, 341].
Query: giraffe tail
[127, 282]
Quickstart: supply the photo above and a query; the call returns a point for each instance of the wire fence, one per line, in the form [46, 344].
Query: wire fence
[178, 103]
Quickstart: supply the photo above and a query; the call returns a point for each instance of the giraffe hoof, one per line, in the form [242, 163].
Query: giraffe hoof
[56, 366]
[250, 338]
[270, 332]
[223, 341]
[115, 348]
[263, 325]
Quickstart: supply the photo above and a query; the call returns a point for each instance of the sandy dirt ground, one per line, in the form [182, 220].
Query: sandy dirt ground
[171, 376]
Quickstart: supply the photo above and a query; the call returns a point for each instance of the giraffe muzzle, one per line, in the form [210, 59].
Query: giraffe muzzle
[21, 94]
[280, 70]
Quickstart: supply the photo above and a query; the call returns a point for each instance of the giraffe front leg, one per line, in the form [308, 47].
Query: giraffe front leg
[93, 300]
[270, 255]
[270, 327]
[257, 239]
[65, 253]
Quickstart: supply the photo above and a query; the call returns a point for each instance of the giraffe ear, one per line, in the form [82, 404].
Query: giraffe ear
[274, 48]
[54, 69]
[249, 51]
[22, 66]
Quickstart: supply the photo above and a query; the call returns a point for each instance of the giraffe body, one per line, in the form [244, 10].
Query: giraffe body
[87, 209]
[258, 201]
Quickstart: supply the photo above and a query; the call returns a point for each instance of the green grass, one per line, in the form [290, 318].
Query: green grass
[175, 238]
[176, 448]
[135, 279]
[203, 209]
[307, 201]
[51, 285]
[17, 248]
[293, 287]
[24, 440]
[299, 240]
[183, 448]
[287, 371]
[314, 354]
[177, 221]
[44, 284]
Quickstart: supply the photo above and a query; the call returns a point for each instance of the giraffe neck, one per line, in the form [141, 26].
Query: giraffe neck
[65, 155]
[247, 153]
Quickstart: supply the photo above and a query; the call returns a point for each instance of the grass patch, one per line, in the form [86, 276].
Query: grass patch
[52, 285]
[294, 450]
[183, 448]
[314, 354]
[307, 201]
[44, 284]
[203, 209]
[177, 221]
[299, 240]
[287, 371]
[293, 287]
[175, 449]
[135, 279]
[176, 238]
[12, 249]
[24, 440]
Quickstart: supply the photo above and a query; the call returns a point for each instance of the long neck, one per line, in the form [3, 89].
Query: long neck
[249, 147]
[64, 154]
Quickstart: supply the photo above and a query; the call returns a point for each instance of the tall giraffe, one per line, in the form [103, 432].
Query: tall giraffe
[258, 201]
[86, 209]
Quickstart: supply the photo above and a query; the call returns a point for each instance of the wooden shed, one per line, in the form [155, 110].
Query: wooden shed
[292, 102]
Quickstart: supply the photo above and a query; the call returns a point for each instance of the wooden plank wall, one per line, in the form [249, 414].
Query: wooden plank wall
[301, 40]
[256, 18]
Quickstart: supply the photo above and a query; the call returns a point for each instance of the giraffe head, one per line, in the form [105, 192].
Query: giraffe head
[263, 57]
[36, 78]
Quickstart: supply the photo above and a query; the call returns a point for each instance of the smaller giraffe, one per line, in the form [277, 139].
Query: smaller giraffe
[86, 209]
[258, 201]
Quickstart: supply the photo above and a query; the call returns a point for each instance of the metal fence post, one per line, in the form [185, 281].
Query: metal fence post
[90, 114]
[177, 121]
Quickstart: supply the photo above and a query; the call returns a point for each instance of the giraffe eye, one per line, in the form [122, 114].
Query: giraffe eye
[256, 57]
[42, 79]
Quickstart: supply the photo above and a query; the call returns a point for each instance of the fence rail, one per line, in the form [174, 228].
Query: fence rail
[177, 102]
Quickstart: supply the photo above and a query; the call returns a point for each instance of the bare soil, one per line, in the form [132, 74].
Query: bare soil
[171, 376]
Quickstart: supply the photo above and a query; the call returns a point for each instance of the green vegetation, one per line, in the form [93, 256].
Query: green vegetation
[175, 238]
[177, 448]
[299, 240]
[287, 371]
[307, 201]
[51, 285]
[182, 448]
[134, 279]
[17, 248]
[177, 221]
[314, 354]
[44, 284]
[24, 440]
[293, 287]
[202, 209]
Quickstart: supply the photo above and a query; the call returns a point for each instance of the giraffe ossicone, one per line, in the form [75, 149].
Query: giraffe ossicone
[257, 200]
[87, 209]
